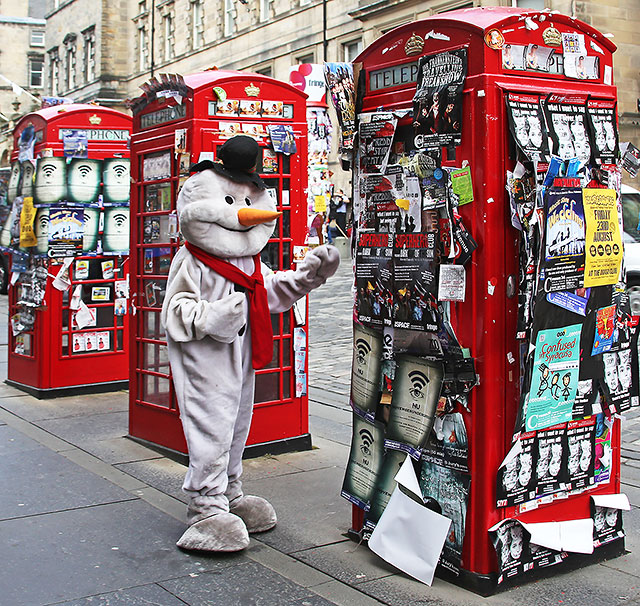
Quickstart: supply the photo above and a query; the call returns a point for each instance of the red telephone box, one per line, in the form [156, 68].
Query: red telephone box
[169, 135]
[52, 358]
[386, 75]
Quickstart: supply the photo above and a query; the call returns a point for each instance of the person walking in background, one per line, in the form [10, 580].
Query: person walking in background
[315, 229]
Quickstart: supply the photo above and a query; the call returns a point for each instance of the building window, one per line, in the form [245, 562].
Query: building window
[54, 71]
[142, 47]
[70, 61]
[305, 59]
[535, 4]
[350, 50]
[167, 29]
[265, 10]
[36, 68]
[229, 17]
[197, 24]
[267, 70]
[89, 66]
[37, 37]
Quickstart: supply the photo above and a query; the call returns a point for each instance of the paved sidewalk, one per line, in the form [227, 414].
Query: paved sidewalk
[89, 517]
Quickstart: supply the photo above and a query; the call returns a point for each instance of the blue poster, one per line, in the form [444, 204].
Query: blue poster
[554, 380]
[282, 138]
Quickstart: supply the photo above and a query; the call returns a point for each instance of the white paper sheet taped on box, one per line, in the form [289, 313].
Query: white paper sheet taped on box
[612, 501]
[575, 536]
[408, 535]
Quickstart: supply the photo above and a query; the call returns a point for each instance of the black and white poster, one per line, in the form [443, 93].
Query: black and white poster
[416, 390]
[365, 369]
[450, 489]
[448, 444]
[415, 301]
[516, 554]
[567, 124]
[437, 104]
[564, 251]
[551, 463]
[365, 461]
[374, 275]
[384, 486]
[516, 476]
[602, 120]
[581, 442]
[617, 379]
[526, 121]
[375, 135]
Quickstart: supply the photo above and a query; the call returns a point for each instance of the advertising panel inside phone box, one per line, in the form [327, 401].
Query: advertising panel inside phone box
[494, 349]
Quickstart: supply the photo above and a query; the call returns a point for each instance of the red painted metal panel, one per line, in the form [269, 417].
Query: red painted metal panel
[278, 413]
[486, 321]
[51, 365]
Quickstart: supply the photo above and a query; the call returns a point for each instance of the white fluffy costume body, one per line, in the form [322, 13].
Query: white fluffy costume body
[225, 213]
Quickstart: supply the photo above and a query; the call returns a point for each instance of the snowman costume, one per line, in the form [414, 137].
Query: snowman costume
[216, 315]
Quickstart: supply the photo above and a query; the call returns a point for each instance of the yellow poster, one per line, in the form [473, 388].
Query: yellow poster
[27, 216]
[320, 204]
[603, 249]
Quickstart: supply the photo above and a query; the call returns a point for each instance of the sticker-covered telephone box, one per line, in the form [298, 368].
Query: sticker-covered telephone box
[179, 122]
[67, 234]
[493, 342]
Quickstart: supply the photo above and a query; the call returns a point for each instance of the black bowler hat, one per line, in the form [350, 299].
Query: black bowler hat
[239, 157]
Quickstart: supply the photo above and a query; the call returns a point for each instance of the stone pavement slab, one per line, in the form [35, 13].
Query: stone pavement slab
[36, 480]
[92, 550]
[248, 584]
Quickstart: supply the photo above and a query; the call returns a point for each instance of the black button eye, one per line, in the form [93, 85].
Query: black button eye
[229, 200]
[247, 201]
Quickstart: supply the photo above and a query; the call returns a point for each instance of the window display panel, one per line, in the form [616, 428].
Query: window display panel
[154, 292]
[267, 387]
[155, 390]
[152, 326]
[155, 357]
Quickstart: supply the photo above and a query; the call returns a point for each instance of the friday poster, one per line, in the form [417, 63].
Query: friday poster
[603, 254]
[415, 283]
[564, 251]
[554, 379]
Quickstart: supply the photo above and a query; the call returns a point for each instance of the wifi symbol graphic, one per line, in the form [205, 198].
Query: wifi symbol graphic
[418, 382]
[48, 170]
[119, 219]
[84, 170]
[43, 221]
[119, 170]
[366, 438]
[363, 349]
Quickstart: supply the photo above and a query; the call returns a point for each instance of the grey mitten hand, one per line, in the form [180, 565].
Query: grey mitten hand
[226, 316]
[319, 264]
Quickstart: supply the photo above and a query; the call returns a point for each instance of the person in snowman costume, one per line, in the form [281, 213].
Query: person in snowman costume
[217, 316]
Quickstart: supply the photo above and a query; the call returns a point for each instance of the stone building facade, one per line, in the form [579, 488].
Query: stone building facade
[22, 30]
[102, 50]
[88, 48]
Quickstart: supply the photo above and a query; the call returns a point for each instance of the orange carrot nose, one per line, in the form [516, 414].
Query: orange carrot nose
[255, 216]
